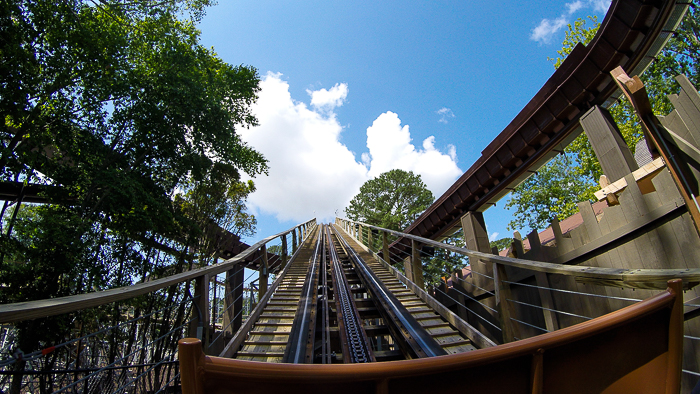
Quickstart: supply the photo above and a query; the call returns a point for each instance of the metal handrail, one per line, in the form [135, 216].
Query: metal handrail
[654, 279]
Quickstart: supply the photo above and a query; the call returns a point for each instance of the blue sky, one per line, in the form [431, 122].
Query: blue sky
[353, 89]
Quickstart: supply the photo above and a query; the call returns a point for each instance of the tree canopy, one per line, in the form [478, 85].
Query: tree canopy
[117, 106]
[393, 200]
[573, 177]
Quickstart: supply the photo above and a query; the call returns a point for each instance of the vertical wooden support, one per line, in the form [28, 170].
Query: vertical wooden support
[284, 251]
[370, 243]
[237, 284]
[550, 318]
[294, 241]
[416, 266]
[505, 310]
[233, 299]
[476, 238]
[262, 282]
[612, 151]
[199, 327]
[385, 247]
[408, 268]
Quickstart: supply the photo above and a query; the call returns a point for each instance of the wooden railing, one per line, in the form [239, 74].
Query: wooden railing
[11, 313]
[636, 349]
[652, 279]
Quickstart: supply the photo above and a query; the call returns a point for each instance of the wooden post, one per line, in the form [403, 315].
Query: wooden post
[408, 268]
[416, 266]
[612, 151]
[385, 247]
[190, 355]
[262, 282]
[284, 250]
[199, 327]
[294, 241]
[370, 244]
[476, 238]
[503, 293]
[233, 299]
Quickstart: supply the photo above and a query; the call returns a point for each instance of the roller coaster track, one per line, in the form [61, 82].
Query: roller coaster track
[374, 316]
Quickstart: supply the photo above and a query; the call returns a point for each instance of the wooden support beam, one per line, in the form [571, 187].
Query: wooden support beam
[294, 241]
[233, 299]
[262, 282]
[509, 329]
[417, 267]
[199, 327]
[636, 93]
[612, 151]
[385, 247]
[284, 251]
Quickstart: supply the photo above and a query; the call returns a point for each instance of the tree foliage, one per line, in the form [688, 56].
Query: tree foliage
[561, 183]
[117, 106]
[393, 200]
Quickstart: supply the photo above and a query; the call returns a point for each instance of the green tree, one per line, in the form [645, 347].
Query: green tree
[117, 105]
[550, 193]
[393, 200]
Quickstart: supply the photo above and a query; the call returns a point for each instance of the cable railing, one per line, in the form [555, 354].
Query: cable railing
[124, 340]
[510, 299]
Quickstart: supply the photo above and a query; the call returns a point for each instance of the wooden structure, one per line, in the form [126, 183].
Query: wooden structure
[603, 355]
[643, 239]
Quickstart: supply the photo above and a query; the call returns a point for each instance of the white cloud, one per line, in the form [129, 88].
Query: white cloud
[600, 5]
[445, 114]
[573, 7]
[544, 32]
[390, 147]
[310, 170]
[306, 157]
[329, 99]
[492, 236]
[547, 28]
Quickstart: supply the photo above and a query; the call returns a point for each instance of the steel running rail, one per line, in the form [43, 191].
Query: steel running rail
[358, 347]
[419, 340]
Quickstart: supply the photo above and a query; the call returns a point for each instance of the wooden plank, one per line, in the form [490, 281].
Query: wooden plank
[622, 234]
[240, 335]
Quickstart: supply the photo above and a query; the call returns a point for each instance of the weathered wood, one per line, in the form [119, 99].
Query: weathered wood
[416, 266]
[635, 91]
[385, 246]
[200, 324]
[262, 281]
[284, 251]
[622, 234]
[509, 329]
[550, 318]
[610, 148]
